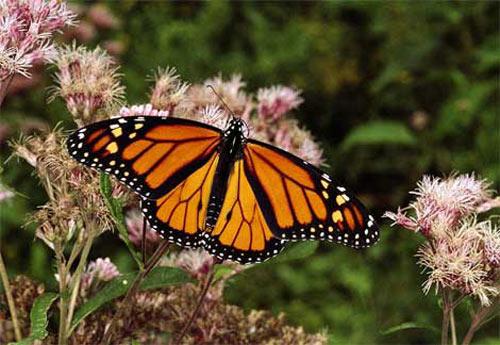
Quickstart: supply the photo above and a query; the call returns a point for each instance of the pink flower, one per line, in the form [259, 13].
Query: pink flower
[88, 81]
[213, 115]
[5, 194]
[101, 17]
[26, 33]
[443, 201]
[169, 90]
[276, 101]
[231, 92]
[197, 262]
[134, 221]
[464, 260]
[461, 253]
[101, 270]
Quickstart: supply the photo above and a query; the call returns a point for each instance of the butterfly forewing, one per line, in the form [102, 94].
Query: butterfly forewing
[150, 154]
[300, 202]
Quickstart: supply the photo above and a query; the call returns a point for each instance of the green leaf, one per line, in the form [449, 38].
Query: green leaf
[379, 133]
[106, 187]
[408, 325]
[159, 277]
[221, 271]
[165, 276]
[38, 317]
[116, 208]
[296, 251]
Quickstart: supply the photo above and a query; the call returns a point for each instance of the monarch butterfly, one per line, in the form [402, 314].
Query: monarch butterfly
[239, 198]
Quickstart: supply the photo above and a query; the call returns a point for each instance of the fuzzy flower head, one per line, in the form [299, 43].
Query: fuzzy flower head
[444, 201]
[276, 101]
[26, 33]
[73, 191]
[197, 262]
[88, 82]
[135, 221]
[100, 270]
[461, 253]
[466, 260]
[168, 90]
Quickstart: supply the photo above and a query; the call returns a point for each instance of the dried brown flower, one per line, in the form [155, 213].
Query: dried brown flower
[24, 292]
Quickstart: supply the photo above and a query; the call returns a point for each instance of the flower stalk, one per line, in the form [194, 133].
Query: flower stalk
[151, 263]
[203, 293]
[10, 299]
[77, 276]
[4, 86]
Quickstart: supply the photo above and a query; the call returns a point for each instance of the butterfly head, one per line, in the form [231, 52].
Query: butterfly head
[238, 128]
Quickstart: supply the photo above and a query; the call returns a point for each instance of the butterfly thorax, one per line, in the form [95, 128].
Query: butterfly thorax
[230, 151]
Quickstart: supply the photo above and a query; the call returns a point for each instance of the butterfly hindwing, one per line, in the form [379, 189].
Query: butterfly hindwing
[150, 154]
[300, 202]
[241, 232]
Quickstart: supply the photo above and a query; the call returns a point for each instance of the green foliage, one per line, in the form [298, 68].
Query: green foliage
[158, 278]
[116, 208]
[39, 318]
[408, 325]
[296, 251]
[379, 132]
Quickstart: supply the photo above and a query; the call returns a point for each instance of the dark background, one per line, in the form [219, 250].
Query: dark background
[393, 90]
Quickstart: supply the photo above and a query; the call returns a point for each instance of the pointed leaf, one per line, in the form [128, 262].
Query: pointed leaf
[408, 325]
[159, 277]
[379, 133]
[39, 319]
[296, 251]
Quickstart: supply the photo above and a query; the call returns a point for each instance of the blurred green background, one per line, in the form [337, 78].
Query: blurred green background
[393, 90]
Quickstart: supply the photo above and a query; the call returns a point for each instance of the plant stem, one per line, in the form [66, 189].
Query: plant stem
[153, 260]
[61, 269]
[476, 323]
[10, 299]
[143, 244]
[4, 85]
[446, 319]
[75, 281]
[196, 310]
[453, 328]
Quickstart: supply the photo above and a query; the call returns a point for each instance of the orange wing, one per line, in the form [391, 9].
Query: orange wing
[179, 215]
[241, 233]
[301, 202]
[151, 154]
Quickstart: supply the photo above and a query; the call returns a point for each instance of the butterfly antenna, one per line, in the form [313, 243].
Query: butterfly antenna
[222, 101]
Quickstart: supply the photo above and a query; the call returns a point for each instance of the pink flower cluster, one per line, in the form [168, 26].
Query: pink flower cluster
[276, 101]
[461, 253]
[266, 113]
[88, 81]
[26, 31]
[134, 221]
[100, 270]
